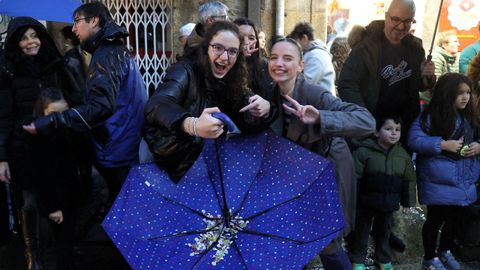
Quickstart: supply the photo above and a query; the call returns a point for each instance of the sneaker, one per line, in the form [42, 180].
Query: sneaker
[385, 266]
[449, 261]
[359, 266]
[433, 264]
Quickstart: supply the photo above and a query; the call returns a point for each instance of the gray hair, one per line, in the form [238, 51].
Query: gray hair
[211, 9]
[410, 4]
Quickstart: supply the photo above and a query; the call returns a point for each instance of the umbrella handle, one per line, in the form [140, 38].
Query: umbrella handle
[429, 81]
[231, 127]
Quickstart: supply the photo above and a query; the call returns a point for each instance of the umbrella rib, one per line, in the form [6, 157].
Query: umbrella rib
[214, 188]
[285, 202]
[245, 197]
[226, 211]
[273, 236]
[185, 233]
[235, 246]
[288, 239]
[273, 207]
[185, 206]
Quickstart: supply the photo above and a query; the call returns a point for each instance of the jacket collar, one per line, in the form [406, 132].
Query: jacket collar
[110, 31]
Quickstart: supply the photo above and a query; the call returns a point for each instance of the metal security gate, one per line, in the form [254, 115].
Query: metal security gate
[150, 25]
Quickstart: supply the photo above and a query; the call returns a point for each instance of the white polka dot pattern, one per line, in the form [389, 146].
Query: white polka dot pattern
[286, 195]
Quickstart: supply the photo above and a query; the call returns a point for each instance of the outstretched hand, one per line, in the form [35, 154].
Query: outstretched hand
[305, 113]
[30, 128]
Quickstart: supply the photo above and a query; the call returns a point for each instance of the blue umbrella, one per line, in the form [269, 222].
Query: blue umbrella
[49, 10]
[250, 202]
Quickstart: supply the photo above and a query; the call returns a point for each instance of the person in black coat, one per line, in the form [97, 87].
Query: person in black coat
[32, 63]
[60, 170]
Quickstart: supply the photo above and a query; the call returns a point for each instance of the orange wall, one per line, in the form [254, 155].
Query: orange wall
[462, 16]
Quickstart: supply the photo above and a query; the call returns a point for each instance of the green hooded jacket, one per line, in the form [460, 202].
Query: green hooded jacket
[386, 178]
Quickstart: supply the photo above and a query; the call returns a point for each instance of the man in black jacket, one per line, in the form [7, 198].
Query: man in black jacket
[384, 71]
[115, 97]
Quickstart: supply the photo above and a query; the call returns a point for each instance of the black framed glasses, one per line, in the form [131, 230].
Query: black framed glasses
[397, 20]
[75, 21]
[219, 49]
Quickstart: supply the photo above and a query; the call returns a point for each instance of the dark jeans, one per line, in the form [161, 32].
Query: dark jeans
[114, 177]
[382, 226]
[438, 215]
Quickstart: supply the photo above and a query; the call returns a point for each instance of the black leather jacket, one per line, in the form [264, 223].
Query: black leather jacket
[181, 95]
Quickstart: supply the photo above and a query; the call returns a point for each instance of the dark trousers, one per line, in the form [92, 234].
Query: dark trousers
[438, 215]
[382, 226]
[63, 233]
[64, 239]
[114, 177]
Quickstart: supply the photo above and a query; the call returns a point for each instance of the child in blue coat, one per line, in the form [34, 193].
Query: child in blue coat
[445, 139]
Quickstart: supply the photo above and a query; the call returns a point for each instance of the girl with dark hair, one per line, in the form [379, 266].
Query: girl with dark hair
[179, 114]
[258, 78]
[32, 63]
[445, 138]
[61, 169]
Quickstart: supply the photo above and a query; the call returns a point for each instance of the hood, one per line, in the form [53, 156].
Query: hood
[316, 44]
[448, 57]
[18, 23]
[15, 60]
[110, 31]
[372, 144]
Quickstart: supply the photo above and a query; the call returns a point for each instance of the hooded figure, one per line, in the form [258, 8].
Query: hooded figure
[32, 63]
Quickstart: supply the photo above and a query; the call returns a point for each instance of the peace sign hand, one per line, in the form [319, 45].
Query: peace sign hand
[305, 113]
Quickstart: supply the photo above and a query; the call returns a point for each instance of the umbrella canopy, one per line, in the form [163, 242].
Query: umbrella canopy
[250, 202]
[49, 10]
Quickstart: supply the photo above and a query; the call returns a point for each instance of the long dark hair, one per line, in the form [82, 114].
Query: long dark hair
[255, 65]
[234, 85]
[442, 109]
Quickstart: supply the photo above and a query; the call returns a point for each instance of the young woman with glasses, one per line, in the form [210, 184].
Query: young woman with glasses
[179, 114]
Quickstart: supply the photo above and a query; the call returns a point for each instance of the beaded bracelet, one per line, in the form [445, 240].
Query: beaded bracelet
[195, 120]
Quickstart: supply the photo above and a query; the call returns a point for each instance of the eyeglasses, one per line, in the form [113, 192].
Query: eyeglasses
[75, 21]
[219, 18]
[397, 21]
[219, 49]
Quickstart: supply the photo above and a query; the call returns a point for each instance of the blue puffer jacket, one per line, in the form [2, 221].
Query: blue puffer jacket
[442, 180]
[115, 97]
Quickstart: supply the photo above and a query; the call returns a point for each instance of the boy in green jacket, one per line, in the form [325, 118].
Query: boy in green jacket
[386, 178]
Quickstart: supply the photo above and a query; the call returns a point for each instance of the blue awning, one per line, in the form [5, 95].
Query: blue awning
[48, 10]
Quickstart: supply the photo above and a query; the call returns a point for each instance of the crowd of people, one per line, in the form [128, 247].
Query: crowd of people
[355, 102]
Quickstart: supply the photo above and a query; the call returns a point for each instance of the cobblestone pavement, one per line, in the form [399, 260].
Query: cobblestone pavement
[408, 228]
